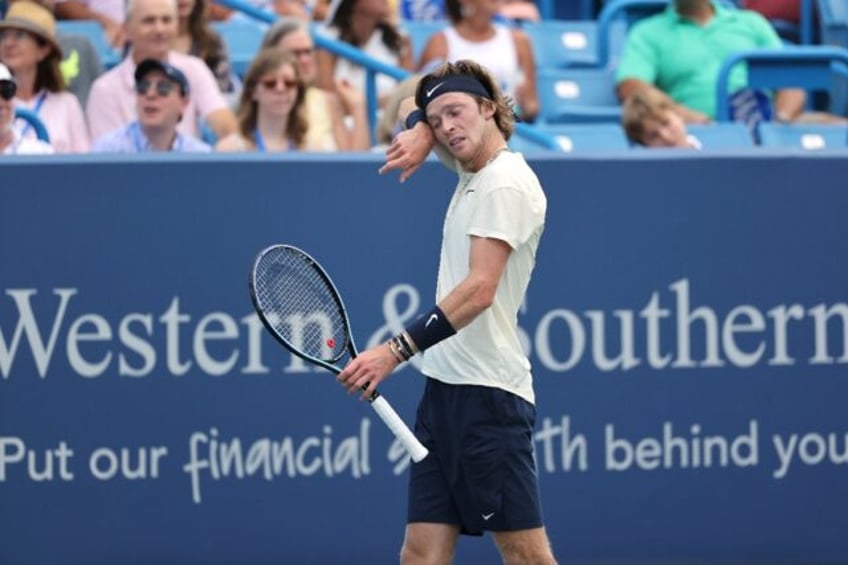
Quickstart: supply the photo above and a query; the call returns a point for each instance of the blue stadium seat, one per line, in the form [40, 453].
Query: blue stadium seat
[833, 22]
[570, 43]
[722, 135]
[805, 136]
[109, 56]
[419, 33]
[577, 95]
[811, 67]
[578, 138]
[242, 38]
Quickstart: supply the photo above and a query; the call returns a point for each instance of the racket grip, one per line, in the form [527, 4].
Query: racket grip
[400, 429]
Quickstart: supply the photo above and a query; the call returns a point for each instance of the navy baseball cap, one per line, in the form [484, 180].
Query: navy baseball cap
[170, 71]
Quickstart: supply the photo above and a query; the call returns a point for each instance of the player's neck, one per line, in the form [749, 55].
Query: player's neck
[493, 145]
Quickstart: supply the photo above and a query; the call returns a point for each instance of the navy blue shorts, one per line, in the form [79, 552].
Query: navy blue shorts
[481, 471]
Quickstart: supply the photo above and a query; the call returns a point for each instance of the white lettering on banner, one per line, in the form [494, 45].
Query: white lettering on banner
[217, 459]
[665, 333]
[13, 450]
[678, 451]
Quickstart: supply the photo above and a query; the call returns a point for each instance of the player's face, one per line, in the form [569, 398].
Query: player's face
[155, 109]
[152, 28]
[667, 132]
[459, 123]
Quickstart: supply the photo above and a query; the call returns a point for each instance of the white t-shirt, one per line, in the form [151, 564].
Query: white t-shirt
[355, 74]
[498, 54]
[505, 201]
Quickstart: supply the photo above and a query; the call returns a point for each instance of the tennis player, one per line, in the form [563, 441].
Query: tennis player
[477, 412]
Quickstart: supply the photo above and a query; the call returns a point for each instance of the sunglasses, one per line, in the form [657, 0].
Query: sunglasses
[163, 87]
[17, 34]
[272, 83]
[7, 89]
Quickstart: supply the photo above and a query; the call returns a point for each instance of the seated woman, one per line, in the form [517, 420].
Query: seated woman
[325, 110]
[196, 37]
[28, 47]
[507, 53]
[366, 25]
[649, 119]
[271, 113]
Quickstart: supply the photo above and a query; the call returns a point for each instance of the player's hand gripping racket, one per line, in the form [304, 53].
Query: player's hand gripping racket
[300, 306]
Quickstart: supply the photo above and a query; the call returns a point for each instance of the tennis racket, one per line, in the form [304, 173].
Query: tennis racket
[299, 304]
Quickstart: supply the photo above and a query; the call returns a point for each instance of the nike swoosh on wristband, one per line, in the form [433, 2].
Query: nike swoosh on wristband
[431, 319]
[430, 92]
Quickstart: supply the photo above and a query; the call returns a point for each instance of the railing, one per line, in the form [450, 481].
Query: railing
[809, 67]
[373, 67]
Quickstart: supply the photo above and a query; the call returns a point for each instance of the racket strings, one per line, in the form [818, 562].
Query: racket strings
[300, 305]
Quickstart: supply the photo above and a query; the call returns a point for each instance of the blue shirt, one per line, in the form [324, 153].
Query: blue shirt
[131, 139]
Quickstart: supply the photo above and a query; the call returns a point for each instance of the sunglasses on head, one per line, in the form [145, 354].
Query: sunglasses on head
[272, 83]
[163, 87]
[7, 89]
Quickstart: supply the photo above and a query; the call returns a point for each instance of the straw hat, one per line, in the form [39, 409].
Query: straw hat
[33, 18]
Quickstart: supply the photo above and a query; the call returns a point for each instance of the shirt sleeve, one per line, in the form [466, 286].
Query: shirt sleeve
[763, 32]
[507, 214]
[102, 109]
[638, 59]
[78, 129]
[205, 91]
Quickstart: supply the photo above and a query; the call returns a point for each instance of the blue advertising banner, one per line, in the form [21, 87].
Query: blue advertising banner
[686, 324]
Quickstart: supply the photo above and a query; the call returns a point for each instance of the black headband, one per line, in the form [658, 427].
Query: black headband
[433, 87]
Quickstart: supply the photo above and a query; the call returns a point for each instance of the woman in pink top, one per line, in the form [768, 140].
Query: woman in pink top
[28, 47]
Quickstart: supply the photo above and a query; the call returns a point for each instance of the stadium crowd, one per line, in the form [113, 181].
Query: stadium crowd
[173, 86]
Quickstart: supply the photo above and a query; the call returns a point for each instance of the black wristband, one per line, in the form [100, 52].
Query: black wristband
[430, 329]
[415, 116]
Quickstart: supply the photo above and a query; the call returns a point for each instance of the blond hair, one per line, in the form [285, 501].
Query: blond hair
[504, 112]
[644, 106]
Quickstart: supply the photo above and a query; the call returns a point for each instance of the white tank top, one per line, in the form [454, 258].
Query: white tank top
[497, 54]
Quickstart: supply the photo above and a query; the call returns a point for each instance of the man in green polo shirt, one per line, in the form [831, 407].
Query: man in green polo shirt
[681, 50]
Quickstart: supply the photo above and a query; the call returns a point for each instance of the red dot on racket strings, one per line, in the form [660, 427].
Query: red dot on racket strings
[331, 343]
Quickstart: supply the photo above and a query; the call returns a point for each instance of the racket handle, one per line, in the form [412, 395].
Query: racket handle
[401, 430]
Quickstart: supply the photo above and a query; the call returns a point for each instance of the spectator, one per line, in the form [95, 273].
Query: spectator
[81, 63]
[108, 13]
[162, 95]
[367, 25]
[421, 10]
[196, 37]
[388, 126]
[681, 50]
[10, 142]
[325, 110]
[520, 11]
[506, 53]
[29, 49]
[271, 110]
[649, 119]
[786, 10]
[152, 27]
